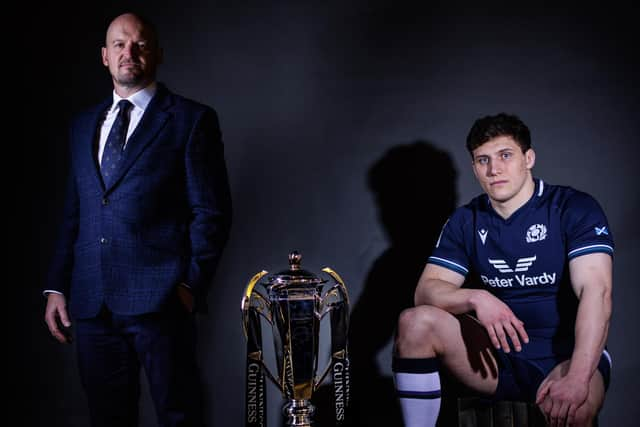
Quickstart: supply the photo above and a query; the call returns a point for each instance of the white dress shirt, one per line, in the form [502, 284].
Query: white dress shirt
[140, 101]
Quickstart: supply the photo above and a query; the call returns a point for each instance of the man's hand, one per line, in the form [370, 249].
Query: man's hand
[56, 317]
[499, 321]
[560, 398]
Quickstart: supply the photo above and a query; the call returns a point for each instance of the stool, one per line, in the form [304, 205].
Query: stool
[477, 412]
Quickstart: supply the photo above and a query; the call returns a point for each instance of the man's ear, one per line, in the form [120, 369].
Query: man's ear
[530, 158]
[105, 60]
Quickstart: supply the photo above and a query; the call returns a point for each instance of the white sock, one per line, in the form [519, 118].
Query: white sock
[418, 388]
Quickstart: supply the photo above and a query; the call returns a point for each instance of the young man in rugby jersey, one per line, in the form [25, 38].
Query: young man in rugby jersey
[535, 327]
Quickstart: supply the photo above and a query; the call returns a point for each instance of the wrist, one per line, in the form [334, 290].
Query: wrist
[475, 298]
[582, 376]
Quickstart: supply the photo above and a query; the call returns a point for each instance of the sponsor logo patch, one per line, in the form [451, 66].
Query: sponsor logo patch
[523, 264]
[522, 280]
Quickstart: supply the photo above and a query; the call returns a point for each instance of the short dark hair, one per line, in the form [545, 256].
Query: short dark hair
[502, 124]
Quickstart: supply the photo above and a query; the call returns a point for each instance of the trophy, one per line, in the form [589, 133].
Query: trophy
[294, 302]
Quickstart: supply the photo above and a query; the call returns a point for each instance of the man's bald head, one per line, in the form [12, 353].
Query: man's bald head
[131, 53]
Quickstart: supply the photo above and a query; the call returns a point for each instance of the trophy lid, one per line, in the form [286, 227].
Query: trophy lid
[295, 275]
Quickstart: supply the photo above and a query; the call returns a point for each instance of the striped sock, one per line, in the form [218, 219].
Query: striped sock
[418, 388]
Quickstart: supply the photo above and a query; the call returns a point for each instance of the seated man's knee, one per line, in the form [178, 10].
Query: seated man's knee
[585, 415]
[417, 327]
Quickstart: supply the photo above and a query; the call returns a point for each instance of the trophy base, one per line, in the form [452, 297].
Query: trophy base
[299, 413]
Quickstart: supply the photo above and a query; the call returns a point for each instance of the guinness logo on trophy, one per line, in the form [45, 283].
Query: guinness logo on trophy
[294, 302]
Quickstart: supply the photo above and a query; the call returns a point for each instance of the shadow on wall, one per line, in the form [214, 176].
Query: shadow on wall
[415, 190]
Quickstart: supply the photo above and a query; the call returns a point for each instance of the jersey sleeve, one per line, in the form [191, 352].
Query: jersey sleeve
[586, 228]
[450, 251]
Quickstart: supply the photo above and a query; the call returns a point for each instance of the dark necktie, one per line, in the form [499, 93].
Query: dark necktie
[115, 142]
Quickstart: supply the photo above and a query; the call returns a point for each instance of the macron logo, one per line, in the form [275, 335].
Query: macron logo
[483, 235]
[523, 264]
[601, 231]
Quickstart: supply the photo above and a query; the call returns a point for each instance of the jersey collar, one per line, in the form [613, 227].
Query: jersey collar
[538, 191]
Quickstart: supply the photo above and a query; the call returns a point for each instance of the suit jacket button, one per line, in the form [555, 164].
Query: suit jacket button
[105, 201]
[103, 240]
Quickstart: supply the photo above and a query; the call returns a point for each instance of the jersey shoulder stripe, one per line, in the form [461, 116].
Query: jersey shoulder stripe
[448, 264]
[589, 250]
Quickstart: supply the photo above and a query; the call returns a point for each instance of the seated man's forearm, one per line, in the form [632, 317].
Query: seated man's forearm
[592, 326]
[444, 295]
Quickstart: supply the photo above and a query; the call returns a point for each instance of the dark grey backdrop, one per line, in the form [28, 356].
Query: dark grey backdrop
[310, 96]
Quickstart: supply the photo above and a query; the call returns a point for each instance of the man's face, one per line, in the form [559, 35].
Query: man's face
[502, 169]
[131, 53]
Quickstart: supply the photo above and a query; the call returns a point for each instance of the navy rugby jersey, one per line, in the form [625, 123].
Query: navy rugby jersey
[524, 260]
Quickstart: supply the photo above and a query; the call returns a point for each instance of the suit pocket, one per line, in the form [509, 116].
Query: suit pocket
[170, 238]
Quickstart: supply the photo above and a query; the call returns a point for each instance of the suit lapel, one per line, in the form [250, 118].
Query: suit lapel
[153, 120]
[87, 137]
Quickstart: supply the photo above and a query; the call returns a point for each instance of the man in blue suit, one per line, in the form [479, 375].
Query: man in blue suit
[147, 215]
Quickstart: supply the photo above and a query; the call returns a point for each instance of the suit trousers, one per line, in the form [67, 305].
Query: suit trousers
[111, 349]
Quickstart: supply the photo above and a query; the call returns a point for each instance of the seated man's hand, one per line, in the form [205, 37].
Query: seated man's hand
[560, 395]
[499, 321]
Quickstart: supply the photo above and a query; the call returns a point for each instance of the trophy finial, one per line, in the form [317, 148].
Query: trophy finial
[294, 260]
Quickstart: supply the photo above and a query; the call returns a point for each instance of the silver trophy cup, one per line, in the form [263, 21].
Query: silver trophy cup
[294, 302]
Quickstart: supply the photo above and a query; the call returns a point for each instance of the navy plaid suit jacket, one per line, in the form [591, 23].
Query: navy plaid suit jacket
[164, 220]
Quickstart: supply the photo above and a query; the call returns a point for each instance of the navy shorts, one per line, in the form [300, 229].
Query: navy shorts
[519, 379]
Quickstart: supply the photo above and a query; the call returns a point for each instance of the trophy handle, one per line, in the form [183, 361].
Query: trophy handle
[336, 300]
[335, 295]
[251, 297]
[254, 302]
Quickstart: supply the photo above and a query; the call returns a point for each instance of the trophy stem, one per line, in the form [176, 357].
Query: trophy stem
[299, 413]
